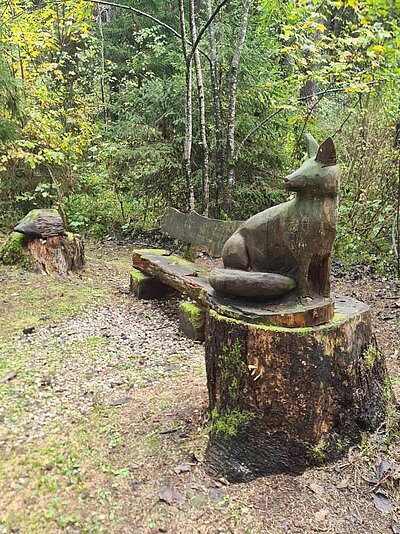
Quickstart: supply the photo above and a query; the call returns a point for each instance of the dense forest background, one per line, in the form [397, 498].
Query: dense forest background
[113, 112]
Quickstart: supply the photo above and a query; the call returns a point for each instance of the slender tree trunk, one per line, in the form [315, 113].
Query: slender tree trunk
[219, 144]
[230, 141]
[202, 114]
[103, 64]
[187, 149]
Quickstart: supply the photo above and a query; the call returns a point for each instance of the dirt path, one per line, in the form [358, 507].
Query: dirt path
[103, 420]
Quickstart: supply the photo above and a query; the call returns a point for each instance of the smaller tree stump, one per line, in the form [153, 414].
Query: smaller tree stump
[145, 287]
[39, 242]
[57, 255]
[191, 321]
[282, 399]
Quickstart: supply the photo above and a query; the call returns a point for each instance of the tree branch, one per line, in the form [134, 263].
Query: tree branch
[320, 94]
[206, 25]
[147, 16]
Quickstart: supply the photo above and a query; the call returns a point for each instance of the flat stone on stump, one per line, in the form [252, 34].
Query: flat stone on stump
[41, 223]
[145, 287]
[283, 399]
[191, 321]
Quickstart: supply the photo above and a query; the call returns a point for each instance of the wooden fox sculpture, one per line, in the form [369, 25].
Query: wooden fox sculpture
[289, 245]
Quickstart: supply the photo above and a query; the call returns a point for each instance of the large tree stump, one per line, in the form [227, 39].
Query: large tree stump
[282, 399]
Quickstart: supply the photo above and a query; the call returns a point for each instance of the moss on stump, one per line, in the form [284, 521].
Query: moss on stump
[283, 399]
[13, 251]
[145, 287]
[191, 321]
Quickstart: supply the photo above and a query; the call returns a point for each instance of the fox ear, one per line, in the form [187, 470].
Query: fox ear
[312, 146]
[327, 153]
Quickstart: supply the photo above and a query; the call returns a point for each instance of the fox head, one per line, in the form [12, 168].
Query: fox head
[319, 174]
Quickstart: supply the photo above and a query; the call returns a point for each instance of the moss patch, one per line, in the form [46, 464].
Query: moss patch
[12, 251]
[193, 313]
[234, 372]
[318, 452]
[276, 328]
[138, 276]
[229, 424]
[371, 356]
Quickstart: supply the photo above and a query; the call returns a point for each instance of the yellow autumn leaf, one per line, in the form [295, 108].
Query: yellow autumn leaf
[378, 48]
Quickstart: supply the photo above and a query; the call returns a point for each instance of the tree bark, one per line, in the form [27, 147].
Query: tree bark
[202, 114]
[219, 145]
[187, 148]
[230, 144]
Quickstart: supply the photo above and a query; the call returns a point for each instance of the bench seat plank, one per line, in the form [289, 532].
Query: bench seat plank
[182, 275]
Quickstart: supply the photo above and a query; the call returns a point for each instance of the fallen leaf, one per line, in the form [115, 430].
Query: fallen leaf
[217, 494]
[382, 503]
[28, 331]
[182, 468]
[321, 515]
[8, 376]
[121, 401]
[343, 484]
[355, 519]
[136, 483]
[382, 467]
[316, 488]
[169, 495]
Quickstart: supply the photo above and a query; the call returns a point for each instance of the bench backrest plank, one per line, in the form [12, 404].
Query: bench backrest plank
[200, 231]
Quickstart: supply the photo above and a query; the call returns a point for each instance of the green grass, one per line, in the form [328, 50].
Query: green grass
[32, 300]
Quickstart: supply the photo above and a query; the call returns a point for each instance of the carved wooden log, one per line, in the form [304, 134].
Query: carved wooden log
[175, 272]
[283, 399]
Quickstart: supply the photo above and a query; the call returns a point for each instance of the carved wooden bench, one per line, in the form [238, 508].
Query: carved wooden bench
[158, 270]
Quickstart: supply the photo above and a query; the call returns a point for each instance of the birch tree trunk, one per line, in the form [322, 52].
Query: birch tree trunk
[230, 141]
[103, 63]
[202, 113]
[187, 149]
[219, 145]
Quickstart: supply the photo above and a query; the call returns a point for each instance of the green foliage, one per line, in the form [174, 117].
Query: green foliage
[103, 142]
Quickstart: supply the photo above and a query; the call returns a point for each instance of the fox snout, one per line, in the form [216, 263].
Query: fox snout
[294, 182]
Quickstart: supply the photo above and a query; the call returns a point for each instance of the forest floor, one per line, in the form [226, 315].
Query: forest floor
[103, 420]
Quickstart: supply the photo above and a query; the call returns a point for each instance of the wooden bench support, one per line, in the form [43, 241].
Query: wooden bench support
[191, 321]
[145, 287]
[282, 399]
